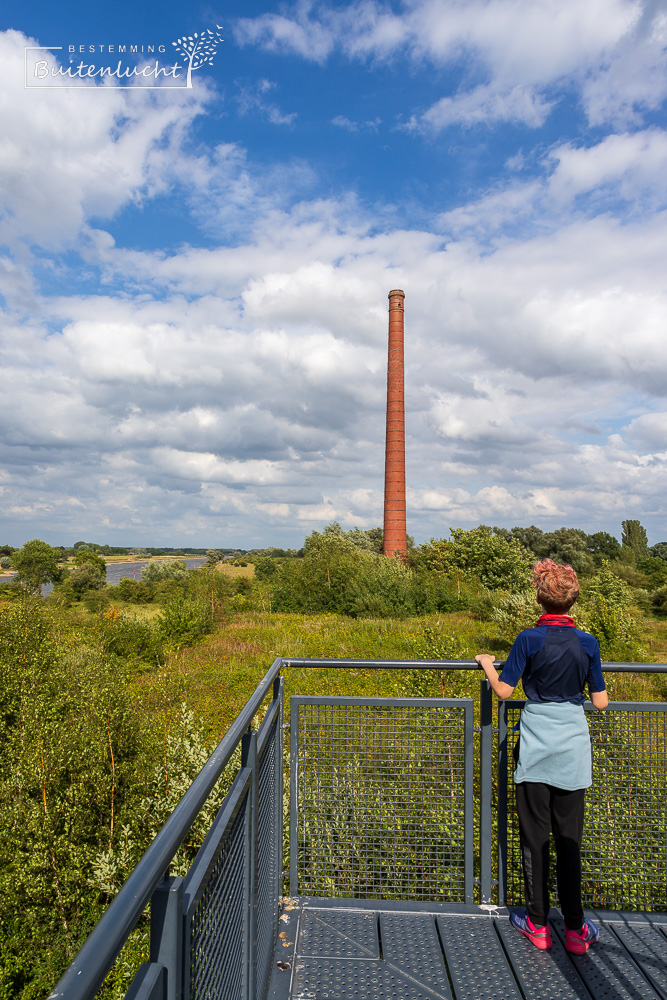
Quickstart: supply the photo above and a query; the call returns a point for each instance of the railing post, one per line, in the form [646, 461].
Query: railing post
[502, 804]
[294, 801]
[279, 693]
[249, 759]
[148, 984]
[485, 789]
[167, 933]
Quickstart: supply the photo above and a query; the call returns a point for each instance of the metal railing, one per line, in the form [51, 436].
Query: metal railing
[381, 807]
[382, 798]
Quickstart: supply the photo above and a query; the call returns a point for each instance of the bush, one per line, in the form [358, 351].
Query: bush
[515, 612]
[440, 644]
[5, 562]
[87, 576]
[155, 571]
[336, 576]
[604, 610]
[96, 600]
[133, 591]
[265, 567]
[498, 563]
[184, 621]
[127, 637]
[659, 599]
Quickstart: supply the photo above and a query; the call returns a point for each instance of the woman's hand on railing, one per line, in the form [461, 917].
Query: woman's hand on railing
[486, 662]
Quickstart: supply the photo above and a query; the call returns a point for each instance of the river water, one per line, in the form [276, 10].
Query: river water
[116, 572]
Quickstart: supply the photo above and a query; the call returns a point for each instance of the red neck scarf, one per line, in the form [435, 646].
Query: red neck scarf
[560, 620]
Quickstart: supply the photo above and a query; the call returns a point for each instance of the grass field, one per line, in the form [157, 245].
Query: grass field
[219, 674]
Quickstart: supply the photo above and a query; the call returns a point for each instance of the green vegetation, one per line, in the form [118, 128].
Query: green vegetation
[99, 684]
[36, 563]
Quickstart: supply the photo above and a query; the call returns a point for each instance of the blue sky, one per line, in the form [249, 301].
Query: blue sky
[193, 281]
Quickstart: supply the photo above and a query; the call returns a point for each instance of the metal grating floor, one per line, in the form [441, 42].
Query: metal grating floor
[337, 950]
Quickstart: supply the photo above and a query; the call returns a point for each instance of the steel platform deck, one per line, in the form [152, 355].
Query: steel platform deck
[368, 950]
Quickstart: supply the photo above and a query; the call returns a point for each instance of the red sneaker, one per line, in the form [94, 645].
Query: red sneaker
[540, 936]
[578, 942]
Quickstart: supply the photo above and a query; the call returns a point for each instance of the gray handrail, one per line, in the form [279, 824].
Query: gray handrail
[609, 668]
[100, 950]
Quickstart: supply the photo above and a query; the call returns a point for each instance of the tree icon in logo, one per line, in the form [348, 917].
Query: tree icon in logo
[198, 49]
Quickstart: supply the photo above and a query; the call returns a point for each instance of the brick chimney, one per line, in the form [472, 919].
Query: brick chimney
[394, 465]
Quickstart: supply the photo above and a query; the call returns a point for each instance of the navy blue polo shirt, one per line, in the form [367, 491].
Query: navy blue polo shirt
[555, 663]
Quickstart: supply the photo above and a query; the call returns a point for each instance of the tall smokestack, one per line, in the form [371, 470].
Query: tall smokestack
[394, 463]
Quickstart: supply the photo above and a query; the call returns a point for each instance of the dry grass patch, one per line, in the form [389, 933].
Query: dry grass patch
[229, 570]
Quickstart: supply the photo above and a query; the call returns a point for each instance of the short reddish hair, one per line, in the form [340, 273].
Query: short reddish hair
[557, 585]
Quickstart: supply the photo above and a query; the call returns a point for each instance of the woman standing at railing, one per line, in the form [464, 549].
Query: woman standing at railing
[555, 661]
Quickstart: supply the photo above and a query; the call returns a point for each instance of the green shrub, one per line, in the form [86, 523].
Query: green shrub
[265, 567]
[96, 600]
[184, 621]
[127, 637]
[497, 562]
[604, 609]
[659, 600]
[85, 577]
[515, 612]
[133, 591]
[440, 644]
[155, 571]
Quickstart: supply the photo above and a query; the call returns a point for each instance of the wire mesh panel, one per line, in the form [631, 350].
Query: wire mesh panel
[381, 798]
[624, 849]
[269, 836]
[217, 904]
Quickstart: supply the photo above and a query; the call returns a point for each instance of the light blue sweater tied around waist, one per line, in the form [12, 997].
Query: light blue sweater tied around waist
[555, 746]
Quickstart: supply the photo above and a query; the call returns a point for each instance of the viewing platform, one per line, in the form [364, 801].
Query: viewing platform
[368, 848]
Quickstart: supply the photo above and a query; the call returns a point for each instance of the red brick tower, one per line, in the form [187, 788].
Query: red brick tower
[394, 464]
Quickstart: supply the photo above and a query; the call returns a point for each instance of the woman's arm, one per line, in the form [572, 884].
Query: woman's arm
[600, 700]
[499, 687]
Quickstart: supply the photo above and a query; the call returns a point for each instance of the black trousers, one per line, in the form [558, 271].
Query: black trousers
[542, 809]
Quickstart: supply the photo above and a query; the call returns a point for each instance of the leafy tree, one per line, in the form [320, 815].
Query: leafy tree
[213, 557]
[265, 567]
[5, 562]
[569, 545]
[152, 572]
[88, 557]
[603, 547]
[369, 540]
[496, 562]
[654, 568]
[532, 538]
[659, 551]
[85, 577]
[634, 541]
[514, 612]
[37, 564]
[184, 621]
